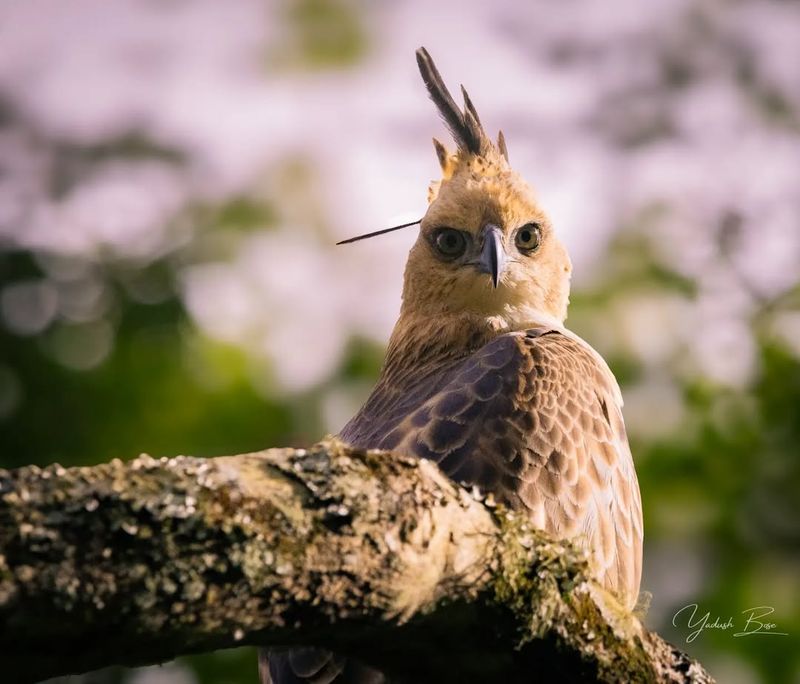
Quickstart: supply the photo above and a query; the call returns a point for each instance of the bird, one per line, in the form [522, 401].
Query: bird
[482, 377]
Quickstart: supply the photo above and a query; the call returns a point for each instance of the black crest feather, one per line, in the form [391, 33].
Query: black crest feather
[377, 232]
[465, 126]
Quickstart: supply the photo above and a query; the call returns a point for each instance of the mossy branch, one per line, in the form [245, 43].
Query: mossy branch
[372, 555]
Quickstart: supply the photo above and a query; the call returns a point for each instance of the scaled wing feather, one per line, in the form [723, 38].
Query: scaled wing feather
[535, 418]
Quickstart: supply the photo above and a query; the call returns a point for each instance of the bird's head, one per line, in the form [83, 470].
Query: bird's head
[485, 245]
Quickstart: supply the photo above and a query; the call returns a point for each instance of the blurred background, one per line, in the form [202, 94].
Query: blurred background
[174, 174]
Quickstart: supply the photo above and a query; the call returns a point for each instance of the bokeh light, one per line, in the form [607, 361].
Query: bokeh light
[174, 175]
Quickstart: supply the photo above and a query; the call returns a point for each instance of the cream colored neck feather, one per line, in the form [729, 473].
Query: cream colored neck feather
[419, 340]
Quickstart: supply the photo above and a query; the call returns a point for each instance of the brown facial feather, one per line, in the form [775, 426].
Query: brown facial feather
[480, 192]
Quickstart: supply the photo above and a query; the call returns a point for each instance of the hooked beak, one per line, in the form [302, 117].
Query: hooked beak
[493, 254]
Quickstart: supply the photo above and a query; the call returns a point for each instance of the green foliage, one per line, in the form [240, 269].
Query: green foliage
[322, 34]
[162, 390]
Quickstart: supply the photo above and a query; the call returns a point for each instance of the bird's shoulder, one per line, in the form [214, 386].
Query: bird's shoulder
[535, 417]
[536, 369]
[516, 390]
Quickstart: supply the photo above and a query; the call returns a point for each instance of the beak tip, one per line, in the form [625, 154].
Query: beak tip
[493, 257]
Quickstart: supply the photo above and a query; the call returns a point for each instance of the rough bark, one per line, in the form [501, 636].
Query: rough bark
[375, 556]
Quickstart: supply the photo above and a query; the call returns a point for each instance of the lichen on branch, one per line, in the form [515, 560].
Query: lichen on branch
[374, 555]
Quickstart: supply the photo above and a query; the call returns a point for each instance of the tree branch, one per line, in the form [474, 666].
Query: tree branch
[376, 556]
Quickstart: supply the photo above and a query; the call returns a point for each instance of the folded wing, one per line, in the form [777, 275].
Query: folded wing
[535, 418]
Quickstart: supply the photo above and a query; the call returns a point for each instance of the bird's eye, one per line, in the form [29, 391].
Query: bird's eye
[449, 242]
[528, 237]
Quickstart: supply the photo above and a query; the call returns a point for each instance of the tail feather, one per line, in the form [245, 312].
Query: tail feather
[308, 665]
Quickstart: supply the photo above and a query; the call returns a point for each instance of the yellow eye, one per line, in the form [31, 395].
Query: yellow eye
[449, 242]
[528, 237]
